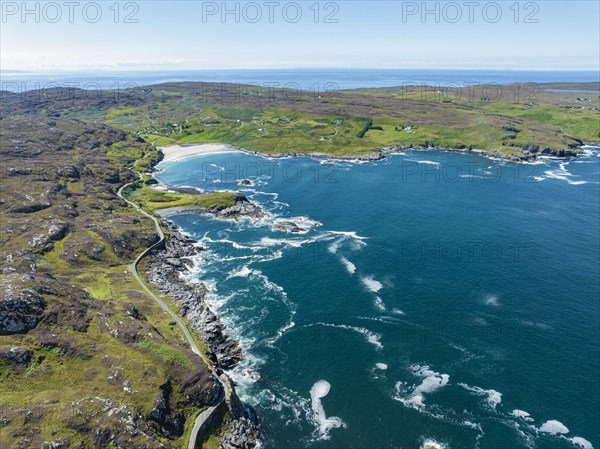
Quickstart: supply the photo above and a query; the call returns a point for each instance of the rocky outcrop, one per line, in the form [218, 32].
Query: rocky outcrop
[21, 309]
[242, 208]
[170, 422]
[288, 226]
[240, 434]
[165, 270]
[16, 354]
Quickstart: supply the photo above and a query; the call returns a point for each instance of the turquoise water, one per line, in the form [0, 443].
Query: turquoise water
[436, 297]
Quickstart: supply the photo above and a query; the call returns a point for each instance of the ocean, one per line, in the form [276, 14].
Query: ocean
[323, 80]
[431, 299]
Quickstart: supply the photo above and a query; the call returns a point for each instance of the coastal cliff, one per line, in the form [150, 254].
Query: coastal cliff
[168, 268]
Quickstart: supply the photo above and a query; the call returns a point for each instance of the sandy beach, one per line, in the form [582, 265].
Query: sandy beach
[180, 151]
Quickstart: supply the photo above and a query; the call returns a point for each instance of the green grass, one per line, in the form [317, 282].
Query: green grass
[167, 353]
[581, 123]
[152, 199]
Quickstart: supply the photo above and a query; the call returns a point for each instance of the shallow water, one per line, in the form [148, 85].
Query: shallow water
[434, 297]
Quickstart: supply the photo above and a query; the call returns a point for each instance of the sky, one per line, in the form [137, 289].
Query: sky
[179, 35]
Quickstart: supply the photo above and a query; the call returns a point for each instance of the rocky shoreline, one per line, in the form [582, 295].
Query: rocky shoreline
[243, 208]
[530, 153]
[167, 270]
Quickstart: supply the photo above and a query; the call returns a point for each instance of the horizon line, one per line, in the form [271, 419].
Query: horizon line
[106, 70]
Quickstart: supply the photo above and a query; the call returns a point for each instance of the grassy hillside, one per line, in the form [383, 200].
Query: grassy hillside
[94, 353]
[356, 121]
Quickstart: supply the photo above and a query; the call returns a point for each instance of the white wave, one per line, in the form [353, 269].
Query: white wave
[269, 285]
[432, 444]
[318, 391]
[554, 427]
[493, 397]
[428, 162]
[372, 284]
[231, 242]
[296, 243]
[381, 366]
[349, 265]
[370, 336]
[351, 234]
[472, 425]
[491, 300]
[521, 414]
[357, 244]
[273, 194]
[415, 395]
[563, 174]
[357, 241]
[582, 443]
[333, 247]
[397, 312]
[379, 303]
[302, 224]
[243, 272]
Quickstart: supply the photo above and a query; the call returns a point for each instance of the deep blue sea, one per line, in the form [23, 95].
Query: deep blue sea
[309, 79]
[432, 299]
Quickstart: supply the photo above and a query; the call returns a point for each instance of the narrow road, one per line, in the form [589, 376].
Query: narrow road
[206, 414]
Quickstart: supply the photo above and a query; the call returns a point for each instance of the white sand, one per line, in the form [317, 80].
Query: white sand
[180, 151]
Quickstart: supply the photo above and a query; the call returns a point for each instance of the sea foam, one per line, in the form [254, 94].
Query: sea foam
[493, 397]
[349, 265]
[582, 443]
[372, 284]
[318, 391]
[432, 381]
[554, 427]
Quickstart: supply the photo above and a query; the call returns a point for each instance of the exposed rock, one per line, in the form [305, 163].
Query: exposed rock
[165, 269]
[245, 182]
[223, 351]
[20, 309]
[16, 354]
[287, 226]
[171, 423]
[202, 389]
[240, 434]
[134, 312]
[242, 208]
[57, 231]
[68, 171]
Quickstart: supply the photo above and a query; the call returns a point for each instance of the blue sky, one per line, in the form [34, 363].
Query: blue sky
[394, 34]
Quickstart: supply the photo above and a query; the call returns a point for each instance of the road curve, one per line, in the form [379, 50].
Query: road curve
[206, 414]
